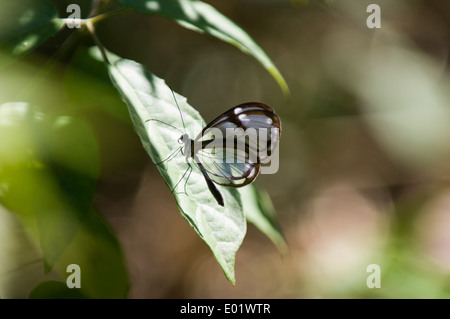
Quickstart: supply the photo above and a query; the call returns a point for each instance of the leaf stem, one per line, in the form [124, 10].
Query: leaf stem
[96, 18]
[90, 26]
[105, 15]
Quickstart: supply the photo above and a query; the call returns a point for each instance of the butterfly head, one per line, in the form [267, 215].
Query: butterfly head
[187, 141]
[183, 139]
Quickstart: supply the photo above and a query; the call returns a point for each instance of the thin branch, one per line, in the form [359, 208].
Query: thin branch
[90, 26]
[105, 15]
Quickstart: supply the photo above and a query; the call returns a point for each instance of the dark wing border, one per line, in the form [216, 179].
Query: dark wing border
[232, 115]
[249, 108]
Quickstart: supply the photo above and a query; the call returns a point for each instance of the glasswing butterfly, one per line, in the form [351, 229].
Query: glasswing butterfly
[230, 150]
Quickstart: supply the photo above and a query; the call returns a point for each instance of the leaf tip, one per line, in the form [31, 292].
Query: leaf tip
[281, 82]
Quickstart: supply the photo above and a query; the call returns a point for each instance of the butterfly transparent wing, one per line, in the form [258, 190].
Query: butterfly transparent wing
[227, 167]
[232, 147]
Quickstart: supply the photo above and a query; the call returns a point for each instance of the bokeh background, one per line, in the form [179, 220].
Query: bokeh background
[365, 148]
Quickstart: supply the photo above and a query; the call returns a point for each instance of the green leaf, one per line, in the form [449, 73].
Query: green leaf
[25, 24]
[50, 167]
[96, 250]
[55, 290]
[48, 171]
[87, 84]
[19, 257]
[148, 97]
[29, 188]
[202, 17]
[259, 211]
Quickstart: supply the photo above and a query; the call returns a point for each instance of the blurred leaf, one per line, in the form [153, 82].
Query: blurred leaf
[20, 126]
[147, 96]
[74, 159]
[259, 211]
[98, 253]
[48, 171]
[20, 257]
[408, 105]
[403, 93]
[25, 24]
[52, 177]
[55, 290]
[88, 85]
[202, 17]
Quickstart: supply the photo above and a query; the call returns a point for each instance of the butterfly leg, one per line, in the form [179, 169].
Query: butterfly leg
[170, 156]
[189, 169]
[187, 178]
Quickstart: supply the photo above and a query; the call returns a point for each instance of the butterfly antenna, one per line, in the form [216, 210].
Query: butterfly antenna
[179, 110]
[176, 128]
